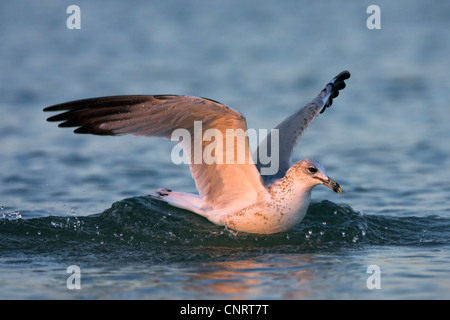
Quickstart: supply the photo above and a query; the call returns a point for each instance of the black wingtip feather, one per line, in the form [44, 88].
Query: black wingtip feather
[89, 129]
[337, 84]
[85, 114]
[344, 75]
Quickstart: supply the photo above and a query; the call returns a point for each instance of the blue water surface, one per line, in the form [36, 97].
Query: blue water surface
[69, 199]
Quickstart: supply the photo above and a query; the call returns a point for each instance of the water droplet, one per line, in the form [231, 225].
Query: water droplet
[363, 233]
[343, 233]
[324, 223]
[310, 232]
[321, 233]
[39, 233]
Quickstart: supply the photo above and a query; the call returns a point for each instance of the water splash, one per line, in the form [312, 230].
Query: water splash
[143, 226]
[9, 215]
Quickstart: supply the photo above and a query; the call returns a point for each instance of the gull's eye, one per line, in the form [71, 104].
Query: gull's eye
[312, 170]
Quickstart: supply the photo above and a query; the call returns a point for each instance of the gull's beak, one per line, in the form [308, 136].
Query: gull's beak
[333, 185]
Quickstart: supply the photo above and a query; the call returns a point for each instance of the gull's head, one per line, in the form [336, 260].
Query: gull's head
[310, 173]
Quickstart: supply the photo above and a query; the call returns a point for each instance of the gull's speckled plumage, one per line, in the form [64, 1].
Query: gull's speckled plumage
[233, 195]
[284, 206]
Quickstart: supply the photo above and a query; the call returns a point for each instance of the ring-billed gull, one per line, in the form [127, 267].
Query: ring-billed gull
[232, 194]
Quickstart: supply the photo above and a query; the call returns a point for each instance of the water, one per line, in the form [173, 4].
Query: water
[81, 200]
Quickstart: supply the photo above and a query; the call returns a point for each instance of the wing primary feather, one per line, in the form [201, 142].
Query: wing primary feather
[159, 115]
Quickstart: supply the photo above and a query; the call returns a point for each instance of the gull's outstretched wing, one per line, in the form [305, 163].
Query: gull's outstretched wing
[219, 181]
[293, 127]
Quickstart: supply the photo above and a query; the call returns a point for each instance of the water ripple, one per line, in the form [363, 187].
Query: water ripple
[145, 227]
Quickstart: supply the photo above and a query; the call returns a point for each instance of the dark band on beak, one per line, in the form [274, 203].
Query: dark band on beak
[333, 185]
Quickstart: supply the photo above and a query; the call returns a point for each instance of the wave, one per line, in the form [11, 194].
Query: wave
[143, 227]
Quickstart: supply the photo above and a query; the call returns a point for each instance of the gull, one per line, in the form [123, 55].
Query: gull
[230, 194]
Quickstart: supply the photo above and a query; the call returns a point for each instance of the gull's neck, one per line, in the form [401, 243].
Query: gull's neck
[290, 199]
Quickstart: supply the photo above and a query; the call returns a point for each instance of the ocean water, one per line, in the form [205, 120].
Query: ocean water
[81, 200]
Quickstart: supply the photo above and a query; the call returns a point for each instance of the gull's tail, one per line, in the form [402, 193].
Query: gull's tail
[183, 200]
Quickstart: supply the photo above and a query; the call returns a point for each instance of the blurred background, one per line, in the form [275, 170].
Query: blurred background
[262, 58]
[385, 139]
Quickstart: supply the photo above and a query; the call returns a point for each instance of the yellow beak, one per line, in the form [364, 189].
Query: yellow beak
[333, 185]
